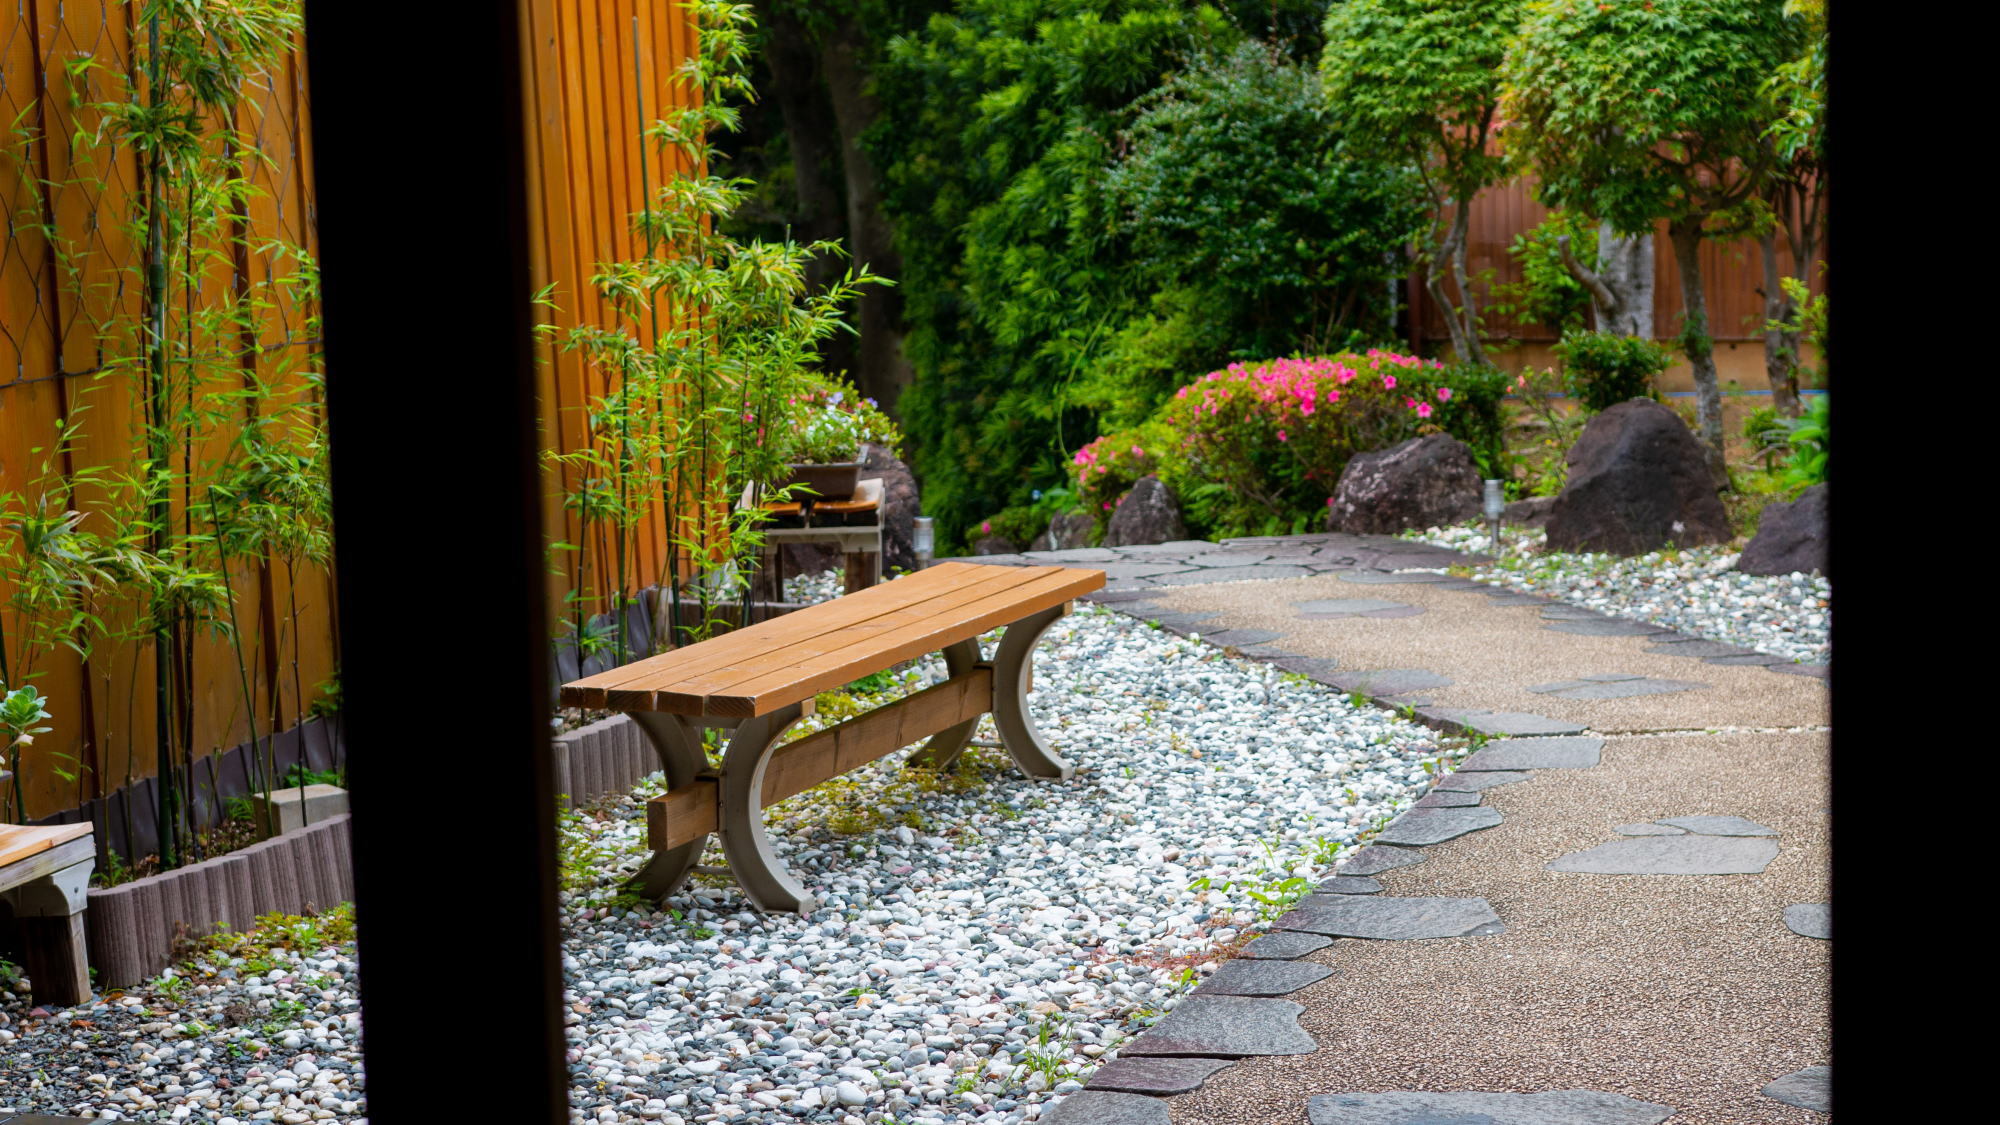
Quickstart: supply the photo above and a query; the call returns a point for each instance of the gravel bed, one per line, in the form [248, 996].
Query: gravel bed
[1695, 590]
[985, 941]
[227, 1040]
[820, 586]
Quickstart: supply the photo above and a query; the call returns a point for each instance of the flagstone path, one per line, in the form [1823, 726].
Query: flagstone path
[1617, 916]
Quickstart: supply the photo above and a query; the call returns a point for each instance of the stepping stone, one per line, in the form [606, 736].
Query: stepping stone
[1462, 584]
[1240, 637]
[1672, 855]
[1649, 830]
[1172, 619]
[1226, 1027]
[1478, 781]
[1384, 918]
[1377, 858]
[1262, 977]
[1753, 659]
[1117, 570]
[1502, 722]
[1811, 1088]
[1317, 667]
[1717, 825]
[1328, 607]
[1347, 885]
[1447, 799]
[1386, 578]
[1256, 573]
[1817, 671]
[1393, 681]
[1416, 560]
[1690, 647]
[1810, 919]
[1159, 1077]
[1607, 627]
[1554, 1107]
[1562, 611]
[1536, 754]
[1511, 598]
[1228, 558]
[1620, 687]
[1261, 652]
[1073, 555]
[1610, 677]
[1100, 1107]
[1171, 547]
[1285, 946]
[1424, 827]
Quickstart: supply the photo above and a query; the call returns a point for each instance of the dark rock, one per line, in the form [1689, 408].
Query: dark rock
[814, 558]
[1262, 977]
[1447, 799]
[1066, 532]
[901, 505]
[1285, 946]
[1810, 919]
[1717, 825]
[1751, 660]
[1790, 536]
[1423, 827]
[1552, 1107]
[1392, 681]
[1098, 1107]
[1240, 637]
[1161, 1077]
[1474, 782]
[1225, 1027]
[1532, 512]
[1428, 481]
[1614, 689]
[1811, 1088]
[994, 545]
[1604, 627]
[1536, 754]
[1672, 855]
[1499, 722]
[1149, 513]
[1816, 671]
[1348, 885]
[1377, 858]
[1698, 649]
[1395, 919]
[1639, 479]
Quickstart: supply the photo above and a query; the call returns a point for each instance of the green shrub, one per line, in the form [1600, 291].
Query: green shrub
[1806, 464]
[1547, 294]
[1604, 369]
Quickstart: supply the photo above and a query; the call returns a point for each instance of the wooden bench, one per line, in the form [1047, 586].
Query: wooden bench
[854, 525]
[45, 874]
[762, 679]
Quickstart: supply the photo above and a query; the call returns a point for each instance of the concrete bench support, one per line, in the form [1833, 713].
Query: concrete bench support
[48, 891]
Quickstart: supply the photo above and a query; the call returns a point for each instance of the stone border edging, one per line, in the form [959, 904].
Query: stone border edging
[132, 927]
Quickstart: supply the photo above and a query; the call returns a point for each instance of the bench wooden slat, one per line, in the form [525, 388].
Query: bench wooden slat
[18, 842]
[695, 694]
[811, 676]
[688, 813]
[776, 633]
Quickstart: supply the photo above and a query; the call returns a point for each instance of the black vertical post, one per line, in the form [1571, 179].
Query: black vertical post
[421, 185]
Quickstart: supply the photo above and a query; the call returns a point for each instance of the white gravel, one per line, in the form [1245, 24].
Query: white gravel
[985, 949]
[983, 944]
[1695, 590]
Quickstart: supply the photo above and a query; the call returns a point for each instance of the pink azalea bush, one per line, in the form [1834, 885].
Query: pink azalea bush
[1261, 440]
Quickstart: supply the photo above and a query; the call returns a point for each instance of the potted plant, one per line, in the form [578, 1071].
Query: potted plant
[825, 425]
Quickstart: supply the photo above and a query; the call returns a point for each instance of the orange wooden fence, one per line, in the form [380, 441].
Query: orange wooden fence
[591, 63]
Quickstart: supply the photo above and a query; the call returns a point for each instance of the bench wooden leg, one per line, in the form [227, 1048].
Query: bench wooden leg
[678, 746]
[1013, 666]
[944, 747]
[752, 861]
[49, 911]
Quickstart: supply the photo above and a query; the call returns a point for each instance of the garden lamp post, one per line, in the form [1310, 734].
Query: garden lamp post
[1493, 509]
[922, 541]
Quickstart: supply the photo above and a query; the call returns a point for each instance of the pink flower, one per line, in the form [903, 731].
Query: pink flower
[986, 528]
[1444, 394]
[1423, 410]
[1389, 381]
[1137, 452]
[1107, 505]
[1411, 403]
[1333, 396]
[1281, 436]
[1329, 501]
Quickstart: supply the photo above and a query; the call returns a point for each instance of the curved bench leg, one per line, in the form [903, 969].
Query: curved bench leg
[943, 749]
[678, 746]
[752, 861]
[1012, 666]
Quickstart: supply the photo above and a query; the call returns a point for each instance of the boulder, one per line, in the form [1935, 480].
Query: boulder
[900, 507]
[1149, 513]
[995, 545]
[1066, 531]
[1532, 512]
[1638, 479]
[1428, 481]
[1790, 536]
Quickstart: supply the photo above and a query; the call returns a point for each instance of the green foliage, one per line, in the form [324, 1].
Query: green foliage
[1548, 294]
[1806, 444]
[1639, 112]
[1808, 322]
[21, 712]
[1603, 369]
[825, 421]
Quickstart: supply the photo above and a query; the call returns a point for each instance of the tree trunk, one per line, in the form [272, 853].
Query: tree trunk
[882, 370]
[1695, 341]
[1781, 348]
[1626, 265]
[1460, 318]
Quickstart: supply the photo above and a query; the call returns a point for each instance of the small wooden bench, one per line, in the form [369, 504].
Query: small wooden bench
[762, 679]
[45, 874]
